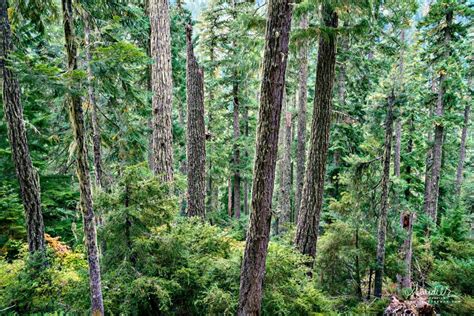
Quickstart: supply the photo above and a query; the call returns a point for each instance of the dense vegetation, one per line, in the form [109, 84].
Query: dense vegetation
[233, 157]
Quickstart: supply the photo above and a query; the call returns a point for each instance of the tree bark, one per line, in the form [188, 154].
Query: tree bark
[77, 121]
[246, 153]
[397, 147]
[302, 99]
[162, 89]
[236, 160]
[431, 204]
[406, 221]
[92, 102]
[27, 176]
[312, 198]
[382, 225]
[398, 124]
[285, 187]
[271, 94]
[196, 132]
[462, 151]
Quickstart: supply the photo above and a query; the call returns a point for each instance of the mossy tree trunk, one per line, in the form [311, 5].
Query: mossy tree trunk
[77, 122]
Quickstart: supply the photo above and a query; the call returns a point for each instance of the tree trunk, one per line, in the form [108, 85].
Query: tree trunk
[27, 176]
[312, 198]
[229, 197]
[236, 160]
[162, 89]
[210, 98]
[382, 226]
[302, 99]
[431, 204]
[406, 221]
[285, 187]
[271, 95]
[196, 132]
[92, 102]
[77, 121]
[398, 124]
[246, 153]
[462, 153]
[397, 147]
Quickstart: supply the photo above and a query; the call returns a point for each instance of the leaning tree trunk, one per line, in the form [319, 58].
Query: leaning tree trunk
[196, 132]
[162, 89]
[26, 173]
[462, 153]
[271, 96]
[236, 160]
[431, 204]
[312, 198]
[77, 122]
[382, 226]
[92, 102]
[302, 99]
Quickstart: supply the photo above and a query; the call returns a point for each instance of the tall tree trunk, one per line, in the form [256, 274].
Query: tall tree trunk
[302, 99]
[398, 124]
[236, 160]
[462, 152]
[397, 147]
[382, 226]
[162, 89]
[210, 98]
[271, 95]
[285, 187]
[246, 153]
[229, 197]
[408, 165]
[26, 173]
[406, 221]
[431, 204]
[77, 122]
[92, 102]
[312, 198]
[196, 132]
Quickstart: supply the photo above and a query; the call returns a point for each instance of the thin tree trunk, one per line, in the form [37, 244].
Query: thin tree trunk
[382, 226]
[312, 198]
[431, 204]
[398, 124]
[302, 100]
[162, 89]
[406, 222]
[92, 102]
[408, 165]
[77, 122]
[369, 286]
[285, 187]
[271, 96]
[462, 153]
[397, 147]
[229, 197]
[210, 98]
[196, 132]
[236, 160]
[27, 176]
[246, 153]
